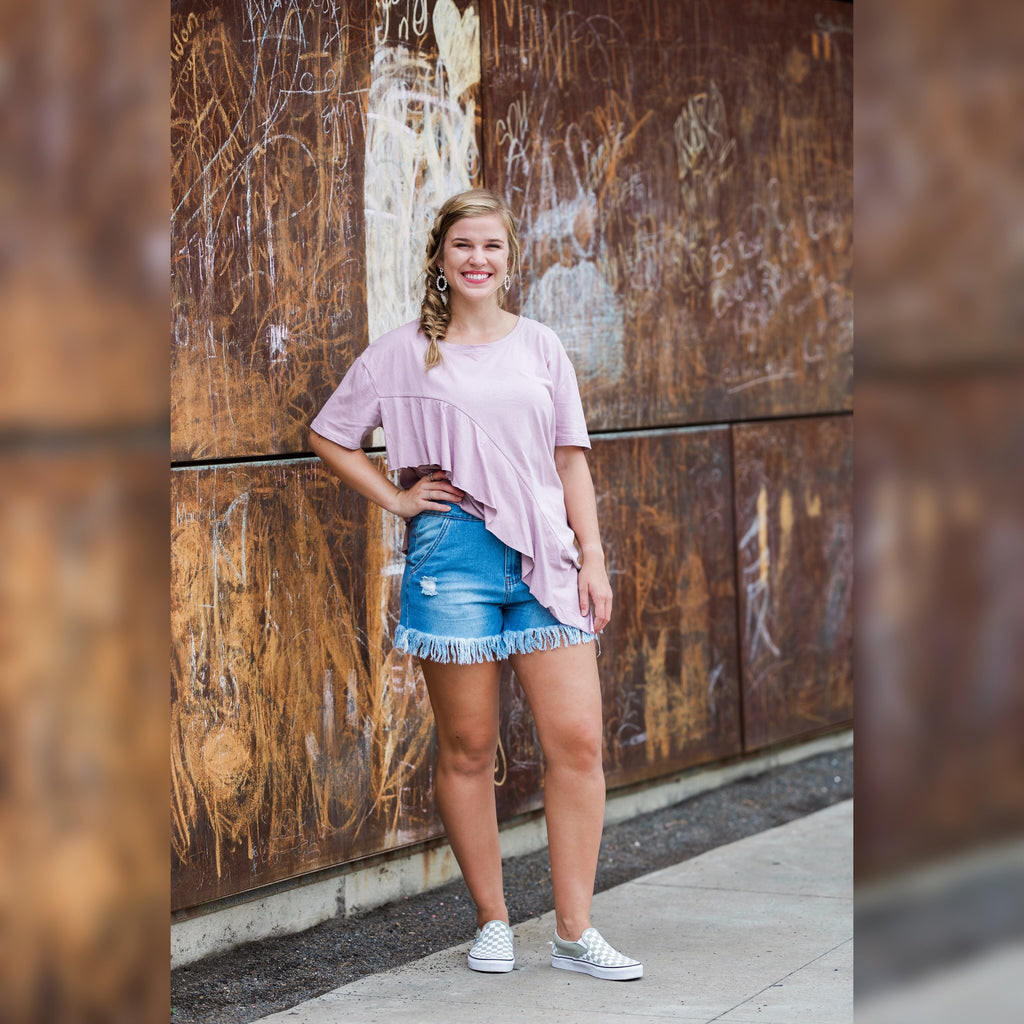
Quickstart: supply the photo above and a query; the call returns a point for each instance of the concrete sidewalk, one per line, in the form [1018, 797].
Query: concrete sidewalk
[758, 930]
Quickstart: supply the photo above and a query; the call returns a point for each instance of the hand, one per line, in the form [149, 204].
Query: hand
[596, 590]
[430, 492]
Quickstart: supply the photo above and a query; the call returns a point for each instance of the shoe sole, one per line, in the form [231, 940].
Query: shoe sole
[628, 973]
[490, 966]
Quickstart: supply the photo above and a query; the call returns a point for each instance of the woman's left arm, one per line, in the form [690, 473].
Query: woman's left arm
[581, 509]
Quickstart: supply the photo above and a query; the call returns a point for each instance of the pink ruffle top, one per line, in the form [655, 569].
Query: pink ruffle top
[489, 415]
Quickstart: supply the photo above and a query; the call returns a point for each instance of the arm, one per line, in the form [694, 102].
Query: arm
[353, 468]
[581, 510]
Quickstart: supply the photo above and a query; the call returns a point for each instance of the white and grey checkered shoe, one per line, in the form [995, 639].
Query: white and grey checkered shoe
[492, 952]
[593, 956]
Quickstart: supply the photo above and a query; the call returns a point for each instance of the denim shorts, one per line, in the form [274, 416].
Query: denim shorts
[464, 599]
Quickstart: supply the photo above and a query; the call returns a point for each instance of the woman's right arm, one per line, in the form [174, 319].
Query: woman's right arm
[354, 468]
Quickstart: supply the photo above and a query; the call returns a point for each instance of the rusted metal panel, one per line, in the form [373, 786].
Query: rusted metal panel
[268, 288]
[669, 656]
[683, 174]
[311, 143]
[794, 528]
[298, 740]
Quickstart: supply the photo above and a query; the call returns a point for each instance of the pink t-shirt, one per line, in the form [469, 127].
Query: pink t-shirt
[490, 415]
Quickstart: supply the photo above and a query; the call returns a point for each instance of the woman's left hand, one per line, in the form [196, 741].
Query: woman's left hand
[596, 591]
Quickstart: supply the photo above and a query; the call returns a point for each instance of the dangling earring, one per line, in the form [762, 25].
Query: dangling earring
[508, 284]
[442, 285]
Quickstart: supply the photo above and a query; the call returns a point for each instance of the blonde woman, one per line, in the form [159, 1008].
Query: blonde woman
[482, 417]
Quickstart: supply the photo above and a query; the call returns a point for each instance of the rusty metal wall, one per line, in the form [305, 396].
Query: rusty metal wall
[688, 167]
[683, 176]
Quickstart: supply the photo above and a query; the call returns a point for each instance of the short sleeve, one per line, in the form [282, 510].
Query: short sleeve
[570, 422]
[352, 411]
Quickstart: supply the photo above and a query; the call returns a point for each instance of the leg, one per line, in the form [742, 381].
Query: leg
[464, 699]
[564, 692]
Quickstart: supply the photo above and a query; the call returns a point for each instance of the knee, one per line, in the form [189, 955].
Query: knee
[469, 754]
[577, 749]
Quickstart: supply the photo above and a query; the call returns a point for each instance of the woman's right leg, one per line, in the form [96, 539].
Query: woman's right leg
[464, 699]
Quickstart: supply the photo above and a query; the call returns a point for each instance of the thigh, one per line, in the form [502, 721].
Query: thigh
[564, 691]
[465, 702]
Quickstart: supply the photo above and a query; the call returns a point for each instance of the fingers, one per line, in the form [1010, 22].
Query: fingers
[595, 595]
[434, 490]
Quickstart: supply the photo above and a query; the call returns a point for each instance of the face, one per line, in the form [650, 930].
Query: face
[475, 258]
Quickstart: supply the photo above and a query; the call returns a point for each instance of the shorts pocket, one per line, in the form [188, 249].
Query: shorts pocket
[426, 531]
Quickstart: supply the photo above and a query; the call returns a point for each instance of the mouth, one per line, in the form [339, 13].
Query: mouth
[476, 277]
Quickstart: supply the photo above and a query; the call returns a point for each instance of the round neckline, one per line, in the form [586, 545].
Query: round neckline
[485, 344]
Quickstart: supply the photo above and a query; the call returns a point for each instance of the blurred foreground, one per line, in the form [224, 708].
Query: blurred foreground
[940, 493]
[84, 264]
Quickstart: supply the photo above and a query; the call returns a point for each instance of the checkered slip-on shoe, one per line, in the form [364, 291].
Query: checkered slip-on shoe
[492, 952]
[593, 956]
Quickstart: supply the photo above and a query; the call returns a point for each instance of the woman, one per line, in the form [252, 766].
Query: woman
[482, 416]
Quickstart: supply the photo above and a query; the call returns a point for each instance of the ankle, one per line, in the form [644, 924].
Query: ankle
[482, 917]
[569, 931]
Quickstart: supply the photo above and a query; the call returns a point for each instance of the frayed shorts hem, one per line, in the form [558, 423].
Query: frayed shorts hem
[472, 650]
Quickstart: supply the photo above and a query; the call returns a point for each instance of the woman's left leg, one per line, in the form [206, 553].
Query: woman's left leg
[564, 692]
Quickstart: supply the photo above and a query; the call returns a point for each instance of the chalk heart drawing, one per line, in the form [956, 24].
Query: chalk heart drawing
[458, 42]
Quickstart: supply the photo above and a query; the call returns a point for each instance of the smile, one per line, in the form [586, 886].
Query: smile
[476, 276]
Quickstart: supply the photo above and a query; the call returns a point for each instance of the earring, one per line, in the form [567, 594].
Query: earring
[508, 283]
[442, 285]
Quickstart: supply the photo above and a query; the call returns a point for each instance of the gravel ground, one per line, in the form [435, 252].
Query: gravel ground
[264, 977]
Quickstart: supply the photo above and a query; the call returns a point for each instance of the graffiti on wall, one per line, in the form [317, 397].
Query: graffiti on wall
[668, 657]
[687, 167]
[268, 288]
[421, 143]
[795, 557]
[298, 739]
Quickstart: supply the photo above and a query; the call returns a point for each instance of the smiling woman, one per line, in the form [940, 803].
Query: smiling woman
[504, 558]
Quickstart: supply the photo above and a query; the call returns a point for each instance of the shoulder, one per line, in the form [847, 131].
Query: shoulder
[541, 337]
[394, 349]
[538, 332]
[399, 339]
[545, 343]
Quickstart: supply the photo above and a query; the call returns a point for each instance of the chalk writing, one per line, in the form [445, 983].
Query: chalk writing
[755, 548]
[421, 147]
[264, 123]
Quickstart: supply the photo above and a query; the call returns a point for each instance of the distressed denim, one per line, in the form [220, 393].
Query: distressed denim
[464, 599]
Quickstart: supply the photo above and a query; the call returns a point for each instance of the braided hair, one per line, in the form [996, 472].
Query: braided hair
[434, 313]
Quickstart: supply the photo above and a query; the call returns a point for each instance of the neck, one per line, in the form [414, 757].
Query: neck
[475, 321]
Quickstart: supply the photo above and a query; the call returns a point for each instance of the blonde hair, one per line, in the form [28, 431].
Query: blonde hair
[478, 202]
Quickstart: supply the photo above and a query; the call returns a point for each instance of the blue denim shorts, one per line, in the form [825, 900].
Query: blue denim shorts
[464, 599]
